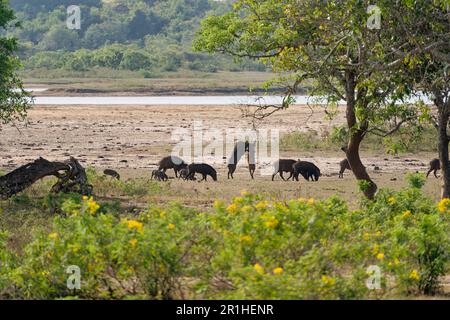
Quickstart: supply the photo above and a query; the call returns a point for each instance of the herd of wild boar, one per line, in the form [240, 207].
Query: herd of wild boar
[309, 171]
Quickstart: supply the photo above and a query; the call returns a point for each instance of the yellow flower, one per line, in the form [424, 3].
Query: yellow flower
[406, 214]
[93, 206]
[259, 268]
[162, 214]
[328, 280]
[232, 208]
[311, 201]
[414, 275]
[133, 242]
[246, 209]
[85, 198]
[443, 205]
[246, 238]
[238, 200]
[53, 235]
[375, 249]
[262, 205]
[392, 201]
[366, 236]
[271, 223]
[278, 270]
[171, 226]
[380, 256]
[136, 225]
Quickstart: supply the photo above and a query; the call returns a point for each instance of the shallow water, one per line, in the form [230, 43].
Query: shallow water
[181, 100]
[169, 100]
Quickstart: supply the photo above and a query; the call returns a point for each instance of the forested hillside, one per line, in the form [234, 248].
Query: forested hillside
[146, 36]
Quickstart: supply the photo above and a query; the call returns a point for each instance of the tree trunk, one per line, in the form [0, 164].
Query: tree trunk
[23, 177]
[71, 177]
[359, 170]
[356, 136]
[443, 118]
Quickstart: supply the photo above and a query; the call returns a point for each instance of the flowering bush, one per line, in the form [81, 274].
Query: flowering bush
[253, 247]
[307, 249]
[118, 257]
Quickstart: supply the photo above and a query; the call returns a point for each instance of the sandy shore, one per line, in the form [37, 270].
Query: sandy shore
[136, 137]
[124, 136]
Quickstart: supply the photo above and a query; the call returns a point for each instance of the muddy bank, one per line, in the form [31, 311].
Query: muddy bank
[176, 91]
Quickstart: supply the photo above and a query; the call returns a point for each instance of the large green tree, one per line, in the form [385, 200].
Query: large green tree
[14, 101]
[332, 43]
[422, 47]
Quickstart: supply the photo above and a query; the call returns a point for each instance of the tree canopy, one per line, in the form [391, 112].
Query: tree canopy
[333, 44]
[13, 99]
[158, 29]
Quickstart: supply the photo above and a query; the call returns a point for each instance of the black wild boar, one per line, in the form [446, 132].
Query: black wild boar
[283, 165]
[172, 162]
[111, 173]
[435, 165]
[252, 169]
[203, 169]
[307, 169]
[184, 175]
[239, 149]
[344, 166]
[251, 158]
[159, 175]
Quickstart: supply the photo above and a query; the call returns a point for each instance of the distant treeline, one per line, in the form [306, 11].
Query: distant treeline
[145, 35]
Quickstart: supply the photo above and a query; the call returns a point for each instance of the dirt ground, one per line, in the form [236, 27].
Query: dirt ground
[131, 139]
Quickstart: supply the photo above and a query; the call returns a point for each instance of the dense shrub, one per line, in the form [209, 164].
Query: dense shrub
[135, 60]
[118, 257]
[304, 249]
[250, 248]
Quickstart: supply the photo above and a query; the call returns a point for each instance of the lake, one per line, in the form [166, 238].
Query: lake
[168, 100]
[176, 100]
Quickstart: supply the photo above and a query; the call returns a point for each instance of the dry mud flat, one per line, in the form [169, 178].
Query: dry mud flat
[132, 139]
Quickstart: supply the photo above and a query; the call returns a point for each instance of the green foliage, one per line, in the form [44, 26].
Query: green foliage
[14, 100]
[131, 35]
[107, 186]
[59, 37]
[135, 60]
[7, 263]
[413, 224]
[363, 185]
[119, 258]
[417, 180]
[250, 248]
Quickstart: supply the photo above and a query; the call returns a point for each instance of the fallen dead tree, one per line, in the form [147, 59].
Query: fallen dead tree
[71, 177]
